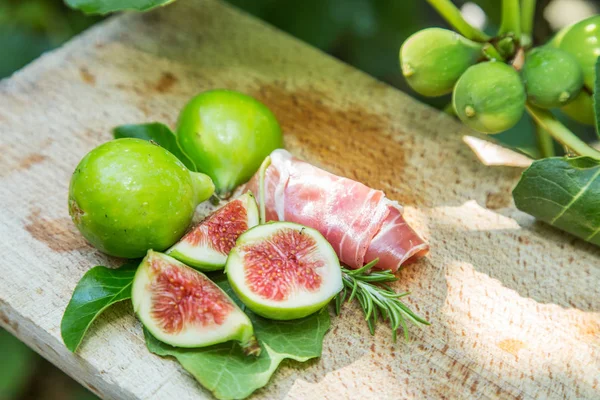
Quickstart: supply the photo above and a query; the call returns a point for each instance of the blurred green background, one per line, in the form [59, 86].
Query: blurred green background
[363, 33]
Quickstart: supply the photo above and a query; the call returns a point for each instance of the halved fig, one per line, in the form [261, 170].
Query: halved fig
[182, 307]
[284, 270]
[207, 245]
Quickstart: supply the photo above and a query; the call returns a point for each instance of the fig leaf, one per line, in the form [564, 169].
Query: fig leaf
[108, 6]
[97, 290]
[565, 193]
[157, 133]
[228, 373]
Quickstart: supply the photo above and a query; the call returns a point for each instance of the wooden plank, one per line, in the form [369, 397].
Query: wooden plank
[514, 305]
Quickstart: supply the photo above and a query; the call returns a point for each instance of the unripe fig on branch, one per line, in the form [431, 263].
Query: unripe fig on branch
[582, 40]
[581, 109]
[432, 60]
[489, 97]
[552, 77]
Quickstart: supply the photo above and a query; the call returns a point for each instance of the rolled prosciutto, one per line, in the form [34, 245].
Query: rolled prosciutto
[360, 223]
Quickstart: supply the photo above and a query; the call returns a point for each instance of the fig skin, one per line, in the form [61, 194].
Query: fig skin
[128, 195]
[552, 77]
[489, 97]
[582, 40]
[432, 60]
[581, 109]
[227, 135]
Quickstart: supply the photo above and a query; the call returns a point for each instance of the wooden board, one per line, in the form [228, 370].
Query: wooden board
[514, 305]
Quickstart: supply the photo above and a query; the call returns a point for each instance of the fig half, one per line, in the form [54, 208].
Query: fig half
[207, 245]
[284, 270]
[182, 307]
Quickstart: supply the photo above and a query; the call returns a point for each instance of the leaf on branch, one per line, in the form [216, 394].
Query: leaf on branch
[107, 6]
[565, 193]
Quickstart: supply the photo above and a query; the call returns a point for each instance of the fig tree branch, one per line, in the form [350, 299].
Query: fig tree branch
[492, 53]
[544, 142]
[452, 14]
[527, 20]
[561, 133]
[511, 18]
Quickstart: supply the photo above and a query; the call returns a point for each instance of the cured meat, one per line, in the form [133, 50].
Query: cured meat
[360, 223]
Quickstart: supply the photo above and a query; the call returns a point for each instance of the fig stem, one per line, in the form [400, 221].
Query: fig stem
[452, 14]
[492, 53]
[511, 18]
[203, 186]
[527, 21]
[561, 133]
[544, 142]
[251, 347]
[261, 190]
[449, 109]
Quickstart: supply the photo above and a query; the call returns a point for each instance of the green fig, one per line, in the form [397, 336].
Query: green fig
[552, 77]
[582, 40]
[227, 135]
[432, 60]
[489, 97]
[581, 109]
[128, 196]
[558, 37]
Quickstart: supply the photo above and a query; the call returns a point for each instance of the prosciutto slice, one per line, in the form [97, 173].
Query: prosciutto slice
[360, 223]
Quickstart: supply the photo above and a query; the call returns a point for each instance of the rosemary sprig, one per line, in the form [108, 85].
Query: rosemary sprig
[377, 299]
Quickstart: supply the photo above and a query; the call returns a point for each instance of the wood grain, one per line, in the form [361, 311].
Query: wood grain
[514, 305]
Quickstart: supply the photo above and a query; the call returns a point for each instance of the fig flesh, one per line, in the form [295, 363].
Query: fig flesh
[208, 244]
[552, 77]
[128, 195]
[283, 270]
[182, 307]
[432, 60]
[489, 97]
[227, 135]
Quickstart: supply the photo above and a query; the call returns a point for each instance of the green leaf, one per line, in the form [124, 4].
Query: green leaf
[564, 192]
[108, 6]
[228, 373]
[99, 288]
[158, 133]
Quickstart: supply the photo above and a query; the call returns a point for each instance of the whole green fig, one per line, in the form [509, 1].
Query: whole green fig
[489, 97]
[581, 109]
[582, 40]
[129, 195]
[227, 135]
[432, 60]
[552, 77]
